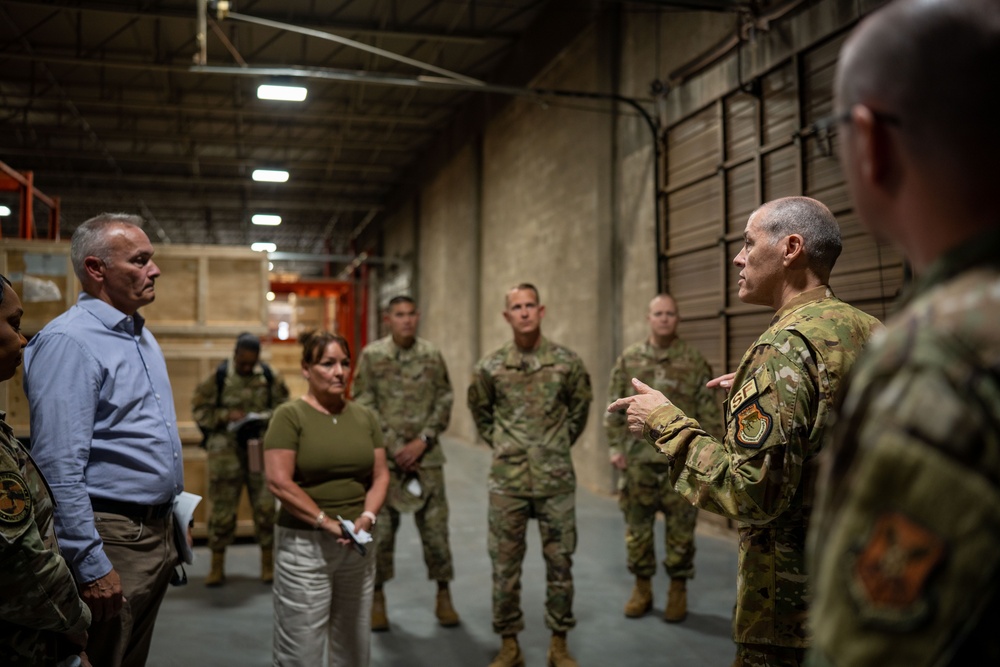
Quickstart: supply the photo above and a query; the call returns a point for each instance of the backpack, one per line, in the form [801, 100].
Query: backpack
[220, 382]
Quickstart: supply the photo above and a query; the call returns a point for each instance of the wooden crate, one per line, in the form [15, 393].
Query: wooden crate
[205, 297]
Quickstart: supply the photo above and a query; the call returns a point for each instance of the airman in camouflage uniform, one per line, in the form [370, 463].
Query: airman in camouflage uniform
[245, 390]
[672, 366]
[42, 618]
[762, 474]
[404, 380]
[530, 401]
[907, 526]
[40, 611]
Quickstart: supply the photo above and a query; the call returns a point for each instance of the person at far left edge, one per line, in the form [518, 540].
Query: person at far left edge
[104, 433]
[43, 621]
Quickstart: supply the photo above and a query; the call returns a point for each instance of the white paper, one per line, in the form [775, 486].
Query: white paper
[252, 417]
[413, 487]
[360, 536]
[184, 504]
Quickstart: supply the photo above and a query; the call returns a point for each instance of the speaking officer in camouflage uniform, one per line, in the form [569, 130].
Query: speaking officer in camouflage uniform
[42, 618]
[762, 474]
[670, 365]
[403, 379]
[907, 530]
[248, 387]
[530, 400]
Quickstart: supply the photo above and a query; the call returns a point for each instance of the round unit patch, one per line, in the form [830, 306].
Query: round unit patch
[15, 499]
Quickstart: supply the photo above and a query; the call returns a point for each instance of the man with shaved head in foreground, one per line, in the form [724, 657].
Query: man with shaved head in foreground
[908, 526]
[762, 473]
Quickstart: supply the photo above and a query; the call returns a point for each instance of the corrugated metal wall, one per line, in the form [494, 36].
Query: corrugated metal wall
[724, 160]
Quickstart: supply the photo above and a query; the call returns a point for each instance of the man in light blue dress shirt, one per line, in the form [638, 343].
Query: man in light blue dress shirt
[104, 433]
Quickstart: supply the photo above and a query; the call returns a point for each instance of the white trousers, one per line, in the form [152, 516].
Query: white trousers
[322, 600]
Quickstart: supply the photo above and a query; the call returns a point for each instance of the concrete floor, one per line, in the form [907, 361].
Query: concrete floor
[232, 625]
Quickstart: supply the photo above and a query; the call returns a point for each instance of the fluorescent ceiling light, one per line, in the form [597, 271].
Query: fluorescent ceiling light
[266, 219]
[4, 211]
[263, 247]
[281, 93]
[270, 175]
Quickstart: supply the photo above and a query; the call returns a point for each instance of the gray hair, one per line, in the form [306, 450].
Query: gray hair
[90, 239]
[812, 221]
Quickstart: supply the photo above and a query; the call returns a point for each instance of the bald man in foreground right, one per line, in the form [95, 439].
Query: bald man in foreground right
[907, 533]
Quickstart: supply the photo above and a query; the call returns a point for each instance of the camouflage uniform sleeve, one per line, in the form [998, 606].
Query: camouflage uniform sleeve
[906, 539]
[203, 406]
[614, 422]
[279, 391]
[480, 399]
[440, 414]
[708, 404]
[580, 398]
[746, 478]
[38, 589]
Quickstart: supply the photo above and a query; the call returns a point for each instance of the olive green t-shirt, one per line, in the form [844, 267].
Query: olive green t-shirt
[334, 455]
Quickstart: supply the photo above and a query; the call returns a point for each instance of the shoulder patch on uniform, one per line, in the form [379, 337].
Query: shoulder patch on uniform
[15, 499]
[753, 425]
[744, 394]
[891, 571]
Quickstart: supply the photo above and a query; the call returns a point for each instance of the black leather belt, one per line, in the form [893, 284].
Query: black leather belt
[132, 510]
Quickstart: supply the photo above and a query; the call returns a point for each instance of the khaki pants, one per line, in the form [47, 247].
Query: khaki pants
[322, 600]
[144, 555]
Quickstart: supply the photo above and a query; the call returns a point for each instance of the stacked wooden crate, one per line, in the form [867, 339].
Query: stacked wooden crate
[205, 297]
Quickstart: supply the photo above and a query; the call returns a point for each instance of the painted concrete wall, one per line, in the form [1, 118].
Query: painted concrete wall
[448, 261]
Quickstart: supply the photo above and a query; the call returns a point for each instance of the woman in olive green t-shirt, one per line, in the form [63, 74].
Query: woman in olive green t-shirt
[323, 458]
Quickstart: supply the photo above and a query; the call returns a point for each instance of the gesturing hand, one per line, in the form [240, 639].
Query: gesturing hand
[724, 382]
[638, 407]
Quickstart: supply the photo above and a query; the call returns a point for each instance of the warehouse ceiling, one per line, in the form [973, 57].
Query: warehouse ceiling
[114, 105]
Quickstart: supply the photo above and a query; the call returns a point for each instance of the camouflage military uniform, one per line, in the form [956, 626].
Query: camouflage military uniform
[680, 372]
[410, 391]
[907, 528]
[530, 407]
[228, 469]
[40, 602]
[763, 473]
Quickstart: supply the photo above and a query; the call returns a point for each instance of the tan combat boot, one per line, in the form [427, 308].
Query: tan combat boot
[445, 612]
[641, 600]
[677, 601]
[510, 653]
[217, 575]
[267, 565]
[380, 623]
[559, 653]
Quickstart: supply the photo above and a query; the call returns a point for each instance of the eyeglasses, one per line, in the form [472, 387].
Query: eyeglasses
[826, 123]
[822, 128]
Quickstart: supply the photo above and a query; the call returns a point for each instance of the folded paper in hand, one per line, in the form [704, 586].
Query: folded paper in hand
[184, 505]
[359, 537]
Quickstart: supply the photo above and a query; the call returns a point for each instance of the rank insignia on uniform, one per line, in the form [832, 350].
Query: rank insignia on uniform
[15, 499]
[753, 425]
[892, 569]
[744, 394]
